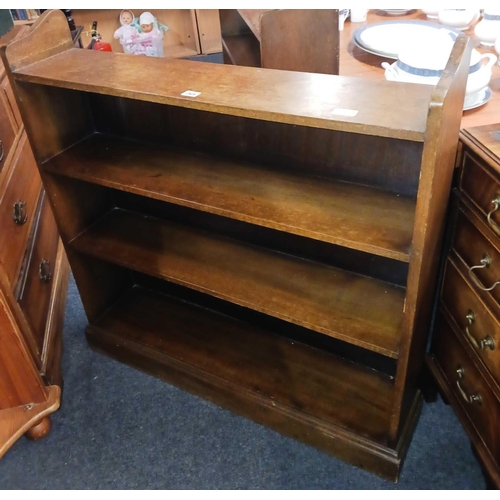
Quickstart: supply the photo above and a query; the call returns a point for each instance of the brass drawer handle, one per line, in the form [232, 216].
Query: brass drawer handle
[496, 204]
[2, 151]
[485, 262]
[44, 271]
[473, 398]
[20, 217]
[481, 344]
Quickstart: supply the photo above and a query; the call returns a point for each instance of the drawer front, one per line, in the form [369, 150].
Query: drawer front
[35, 294]
[9, 94]
[7, 131]
[480, 255]
[17, 206]
[483, 189]
[476, 398]
[472, 318]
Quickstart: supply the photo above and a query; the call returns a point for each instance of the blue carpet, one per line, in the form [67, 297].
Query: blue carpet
[121, 429]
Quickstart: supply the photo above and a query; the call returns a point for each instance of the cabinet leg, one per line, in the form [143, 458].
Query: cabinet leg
[39, 430]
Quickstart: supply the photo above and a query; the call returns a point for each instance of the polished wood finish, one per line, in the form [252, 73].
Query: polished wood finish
[8, 129]
[199, 201]
[40, 430]
[21, 184]
[36, 287]
[16, 421]
[21, 382]
[472, 241]
[51, 369]
[484, 413]
[466, 334]
[31, 313]
[289, 39]
[10, 100]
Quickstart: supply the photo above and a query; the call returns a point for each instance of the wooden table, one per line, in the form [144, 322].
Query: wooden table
[356, 62]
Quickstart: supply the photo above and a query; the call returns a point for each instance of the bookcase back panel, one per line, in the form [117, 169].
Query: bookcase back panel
[385, 163]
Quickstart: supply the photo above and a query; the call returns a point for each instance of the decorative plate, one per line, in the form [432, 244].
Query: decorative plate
[483, 98]
[385, 38]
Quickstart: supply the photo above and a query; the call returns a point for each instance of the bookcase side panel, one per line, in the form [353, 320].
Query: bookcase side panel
[55, 118]
[438, 161]
[76, 206]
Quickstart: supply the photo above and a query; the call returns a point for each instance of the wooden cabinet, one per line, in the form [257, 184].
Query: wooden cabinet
[465, 355]
[251, 241]
[33, 280]
[191, 32]
[289, 39]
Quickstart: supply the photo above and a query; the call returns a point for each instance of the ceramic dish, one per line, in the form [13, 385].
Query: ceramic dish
[483, 98]
[385, 38]
[396, 12]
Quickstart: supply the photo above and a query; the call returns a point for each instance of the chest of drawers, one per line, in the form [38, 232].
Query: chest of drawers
[465, 355]
[33, 281]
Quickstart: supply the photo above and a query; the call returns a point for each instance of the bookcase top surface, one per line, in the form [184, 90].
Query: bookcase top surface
[382, 108]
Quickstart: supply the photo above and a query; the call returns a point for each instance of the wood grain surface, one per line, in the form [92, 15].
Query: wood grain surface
[319, 208]
[310, 99]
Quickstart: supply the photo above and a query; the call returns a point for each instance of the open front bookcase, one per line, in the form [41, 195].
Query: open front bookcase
[270, 244]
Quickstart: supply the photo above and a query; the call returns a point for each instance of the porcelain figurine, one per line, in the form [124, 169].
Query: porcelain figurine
[487, 31]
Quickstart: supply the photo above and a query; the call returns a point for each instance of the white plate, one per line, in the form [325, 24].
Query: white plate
[483, 98]
[385, 38]
[396, 12]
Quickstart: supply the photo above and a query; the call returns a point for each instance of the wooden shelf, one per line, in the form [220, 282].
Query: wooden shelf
[274, 95]
[359, 310]
[341, 213]
[218, 356]
[242, 49]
